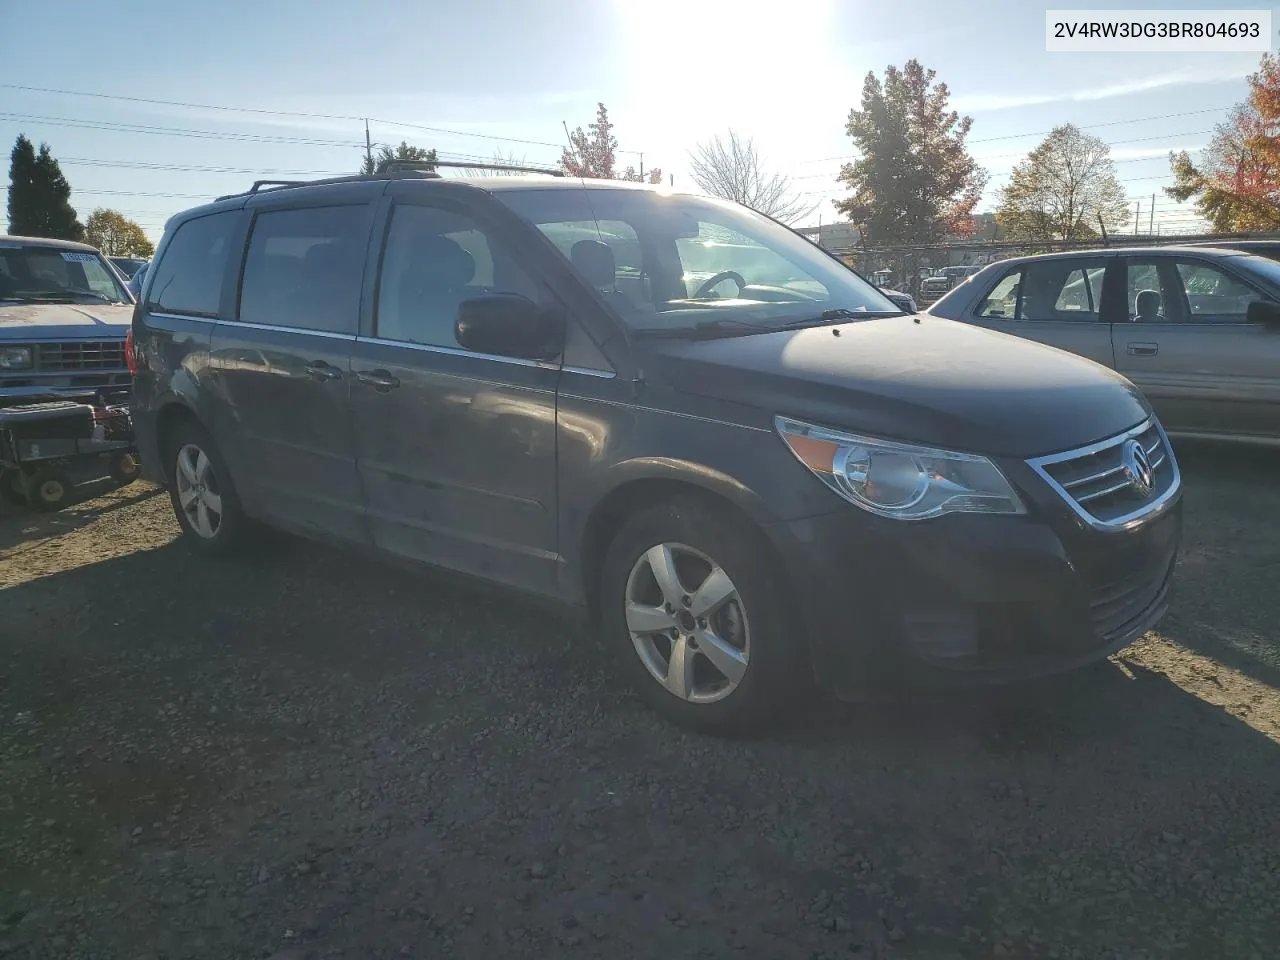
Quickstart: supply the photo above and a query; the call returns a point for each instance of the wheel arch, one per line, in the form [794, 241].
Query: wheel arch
[637, 493]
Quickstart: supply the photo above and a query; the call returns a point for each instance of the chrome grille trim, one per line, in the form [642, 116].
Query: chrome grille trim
[1162, 461]
[72, 355]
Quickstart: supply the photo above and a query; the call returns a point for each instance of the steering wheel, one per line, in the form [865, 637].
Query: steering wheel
[709, 284]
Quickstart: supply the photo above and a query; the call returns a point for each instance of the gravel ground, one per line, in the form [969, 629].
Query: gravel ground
[310, 755]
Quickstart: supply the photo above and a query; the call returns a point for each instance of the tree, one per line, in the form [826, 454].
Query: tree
[592, 155]
[914, 180]
[733, 170]
[116, 235]
[1062, 189]
[386, 156]
[39, 195]
[1236, 186]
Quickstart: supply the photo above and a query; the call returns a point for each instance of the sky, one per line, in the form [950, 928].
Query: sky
[490, 76]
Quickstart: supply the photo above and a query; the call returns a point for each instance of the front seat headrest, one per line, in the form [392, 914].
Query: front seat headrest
[594, 260]
[438, 263]
[1147, 304]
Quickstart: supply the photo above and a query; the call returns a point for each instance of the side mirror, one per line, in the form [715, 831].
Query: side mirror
[1265, 312]
[508, 325]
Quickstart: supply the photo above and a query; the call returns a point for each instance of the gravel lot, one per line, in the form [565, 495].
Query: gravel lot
[310, 755]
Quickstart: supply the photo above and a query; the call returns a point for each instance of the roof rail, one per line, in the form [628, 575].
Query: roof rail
[258, 185]
[429, 167]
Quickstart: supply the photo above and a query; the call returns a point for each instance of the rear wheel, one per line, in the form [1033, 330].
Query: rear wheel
[203, 496]
[12, 490]
[48, 489]
[698, 618]
[124, 468]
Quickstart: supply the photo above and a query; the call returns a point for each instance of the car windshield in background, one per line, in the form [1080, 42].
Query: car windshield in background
[1262, 267]
[672, 263]
[54, 275]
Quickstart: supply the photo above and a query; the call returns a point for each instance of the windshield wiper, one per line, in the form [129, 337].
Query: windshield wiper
[838, 313]
[706, 330]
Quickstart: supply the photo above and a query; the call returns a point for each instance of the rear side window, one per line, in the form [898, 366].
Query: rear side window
[305, 268]
[1048, 290]
[188, 278]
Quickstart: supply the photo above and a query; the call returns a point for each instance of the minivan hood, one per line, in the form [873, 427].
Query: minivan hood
[64, 321]
[921, 379]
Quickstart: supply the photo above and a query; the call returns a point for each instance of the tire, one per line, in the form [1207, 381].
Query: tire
[757, 663]
[124, 468]
[48, 490]
[212, 521]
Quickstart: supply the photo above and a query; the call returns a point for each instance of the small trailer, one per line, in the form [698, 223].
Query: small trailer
[50, 447]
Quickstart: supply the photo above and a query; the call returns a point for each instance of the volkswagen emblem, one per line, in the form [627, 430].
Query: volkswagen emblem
[1137, 468]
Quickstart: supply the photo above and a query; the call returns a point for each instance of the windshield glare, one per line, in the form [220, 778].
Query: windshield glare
[48, 273]
[666, 261]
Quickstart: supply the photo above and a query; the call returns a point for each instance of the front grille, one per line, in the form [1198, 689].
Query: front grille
[1098, 481]
[1117, 607]
[80, 355]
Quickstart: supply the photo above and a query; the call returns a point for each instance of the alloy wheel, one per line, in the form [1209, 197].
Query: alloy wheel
[198, 491]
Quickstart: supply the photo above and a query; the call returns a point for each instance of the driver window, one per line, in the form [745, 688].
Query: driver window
[1213, 295]
[718, 249]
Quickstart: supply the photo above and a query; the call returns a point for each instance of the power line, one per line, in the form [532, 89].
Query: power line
[287, 113]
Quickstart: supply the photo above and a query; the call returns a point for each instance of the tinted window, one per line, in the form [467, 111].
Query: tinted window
[305, 268]
[188, 278]
[434, 260]
[1212, 295]
[1061, 290]
[1150, 299]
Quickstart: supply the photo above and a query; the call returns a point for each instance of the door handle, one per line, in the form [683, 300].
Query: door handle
[319, 370]
[380, 380]
[1143, 349]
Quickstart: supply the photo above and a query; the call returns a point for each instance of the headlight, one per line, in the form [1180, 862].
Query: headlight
[15, 358]
[900, 480]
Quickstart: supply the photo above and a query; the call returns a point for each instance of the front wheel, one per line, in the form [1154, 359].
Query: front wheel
[694, 608]
[203, 496]
[48, 489]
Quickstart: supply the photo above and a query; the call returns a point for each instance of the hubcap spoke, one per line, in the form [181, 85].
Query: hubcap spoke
[213, 501]
[725, 657]
[644, 619]
[680, 669]
[663, 565]
[186, 467]
[202, 468]
[203, 524]
[187, 497]
[715, 591]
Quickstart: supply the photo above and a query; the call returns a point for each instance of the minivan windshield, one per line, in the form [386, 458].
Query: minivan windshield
[39, 274]
[668, 262]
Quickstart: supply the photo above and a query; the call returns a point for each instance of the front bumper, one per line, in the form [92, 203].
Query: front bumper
[969, 599]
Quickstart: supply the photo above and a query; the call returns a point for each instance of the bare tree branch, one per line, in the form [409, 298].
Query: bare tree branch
[732, 170]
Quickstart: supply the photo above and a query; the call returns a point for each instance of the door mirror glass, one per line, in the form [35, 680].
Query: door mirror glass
[508, 325]
[1264, 312]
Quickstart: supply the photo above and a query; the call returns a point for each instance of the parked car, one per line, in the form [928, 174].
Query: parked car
[1194, 327]
[748, 484]
[64, 317]
[1262, 248]
[944, 279]
[135, 282]
[128, 265]
[904, 300]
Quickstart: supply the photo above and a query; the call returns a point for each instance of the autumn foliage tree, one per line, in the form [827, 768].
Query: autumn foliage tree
[1063, 189]
[592, 153]
[116, 235]
[1236, 185]
[914, 180]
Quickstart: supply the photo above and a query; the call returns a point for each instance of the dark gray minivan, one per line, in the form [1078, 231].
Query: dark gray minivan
[669, 411]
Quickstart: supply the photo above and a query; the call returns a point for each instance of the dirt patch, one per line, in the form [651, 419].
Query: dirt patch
[308, 755]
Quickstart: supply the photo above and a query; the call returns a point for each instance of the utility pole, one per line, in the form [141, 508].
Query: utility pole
[368, 146]
[673, 179]
[1151, 225]
[642, 168]
[1137, 216]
